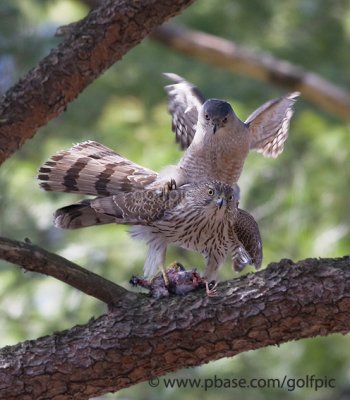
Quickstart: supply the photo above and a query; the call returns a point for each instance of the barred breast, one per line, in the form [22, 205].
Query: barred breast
[198, 230]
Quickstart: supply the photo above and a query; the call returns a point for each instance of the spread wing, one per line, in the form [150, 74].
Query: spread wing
[269, 124]
[184, 102]
[247, 231]
[91, 168]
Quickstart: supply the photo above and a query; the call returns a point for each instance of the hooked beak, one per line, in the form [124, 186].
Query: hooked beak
[216, 125]
[220, 201]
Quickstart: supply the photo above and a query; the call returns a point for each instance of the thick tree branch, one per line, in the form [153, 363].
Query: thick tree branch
[95, 43]
[35, 259]
[147, 338]
[262, 66]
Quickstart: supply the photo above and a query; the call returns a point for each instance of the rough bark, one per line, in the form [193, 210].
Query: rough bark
[95, 43]
[35, 259]
[141, 339]
[262, 66]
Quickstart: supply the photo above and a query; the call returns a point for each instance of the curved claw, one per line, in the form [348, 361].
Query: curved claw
[211, 288]
[168, 187]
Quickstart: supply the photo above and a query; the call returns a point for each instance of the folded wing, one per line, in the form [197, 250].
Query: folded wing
[248, 233]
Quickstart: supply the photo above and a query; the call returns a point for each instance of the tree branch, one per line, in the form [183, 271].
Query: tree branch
[35, 259]
[262, 66]
[140, 340]
[95, 43]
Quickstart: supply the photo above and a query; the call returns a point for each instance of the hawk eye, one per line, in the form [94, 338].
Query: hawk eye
[224, 120]
[207, 117]
[211, 192]
[230, 198]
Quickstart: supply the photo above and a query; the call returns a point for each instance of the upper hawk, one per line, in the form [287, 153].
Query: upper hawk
[217, 142]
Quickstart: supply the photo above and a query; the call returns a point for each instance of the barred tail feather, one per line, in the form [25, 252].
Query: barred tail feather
[80, 215]
[93, 169]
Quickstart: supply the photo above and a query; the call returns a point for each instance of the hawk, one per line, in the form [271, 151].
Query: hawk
[201, 216]
[217, 142]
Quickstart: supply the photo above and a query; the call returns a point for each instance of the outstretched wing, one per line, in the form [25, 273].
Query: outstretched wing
[269, 124]
[247, 231]
[91, 168]
[139, 207]
[184, 102]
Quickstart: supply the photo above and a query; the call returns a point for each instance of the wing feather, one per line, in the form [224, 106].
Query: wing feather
[269, 125]
[248, 233]
[139, 207]
[184, 102]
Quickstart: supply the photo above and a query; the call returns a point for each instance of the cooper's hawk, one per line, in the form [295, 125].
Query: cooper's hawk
[217, 141]
[200, 216]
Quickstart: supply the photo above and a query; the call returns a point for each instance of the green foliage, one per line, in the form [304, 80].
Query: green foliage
[301, 199]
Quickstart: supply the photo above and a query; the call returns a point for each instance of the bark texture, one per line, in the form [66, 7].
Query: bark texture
[35, 259]
[262, 66]
[91, 46]
[144, 338]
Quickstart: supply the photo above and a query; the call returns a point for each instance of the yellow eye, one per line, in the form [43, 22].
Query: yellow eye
[211, 192]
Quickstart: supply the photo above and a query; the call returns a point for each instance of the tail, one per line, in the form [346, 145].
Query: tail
[80, 215]
[93, 169]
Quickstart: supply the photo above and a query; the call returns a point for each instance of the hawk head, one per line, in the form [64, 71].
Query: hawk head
[216, 114]
[212, 197]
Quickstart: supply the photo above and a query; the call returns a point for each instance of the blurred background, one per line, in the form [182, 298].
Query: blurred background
[300, 199]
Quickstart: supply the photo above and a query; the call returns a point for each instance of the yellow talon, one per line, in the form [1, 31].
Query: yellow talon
[168, 187]
[165, 276]
[211, 291]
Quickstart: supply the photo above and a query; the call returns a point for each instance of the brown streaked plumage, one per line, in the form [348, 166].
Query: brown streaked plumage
[200, 216]
[247, 231]
[217, 141]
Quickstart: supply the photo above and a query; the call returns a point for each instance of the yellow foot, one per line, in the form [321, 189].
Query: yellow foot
[176, 265]
[168, 187]
[165, 276]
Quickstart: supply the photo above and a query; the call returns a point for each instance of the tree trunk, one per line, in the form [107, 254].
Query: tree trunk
[145, 338]
[91, 46]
